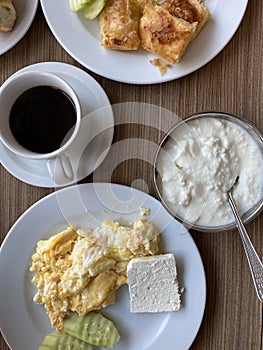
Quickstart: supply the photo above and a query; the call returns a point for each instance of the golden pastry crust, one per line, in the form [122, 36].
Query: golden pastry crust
[160, 64]
[7, 15]
[190, 11]
[119, 24]
[163, 27]
[163, 34]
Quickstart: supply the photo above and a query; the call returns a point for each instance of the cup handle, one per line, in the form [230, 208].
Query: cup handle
[60, 169]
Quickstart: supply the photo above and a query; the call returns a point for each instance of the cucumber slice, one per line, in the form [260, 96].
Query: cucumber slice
[93, 328]
[63, 341]
[77, 5]
[93, 8]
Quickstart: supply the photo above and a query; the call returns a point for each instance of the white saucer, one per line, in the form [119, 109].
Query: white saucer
[95, 104]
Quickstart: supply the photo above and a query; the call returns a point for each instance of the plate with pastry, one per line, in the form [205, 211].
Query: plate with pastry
[104, 254]
[143, 41]
[16, 17]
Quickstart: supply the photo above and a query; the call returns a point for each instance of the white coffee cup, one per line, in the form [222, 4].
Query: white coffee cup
[57, 162]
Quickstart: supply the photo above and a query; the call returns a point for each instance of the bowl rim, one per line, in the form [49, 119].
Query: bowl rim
[248, 126]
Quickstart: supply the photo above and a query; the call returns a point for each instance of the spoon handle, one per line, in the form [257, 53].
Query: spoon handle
[255, 264]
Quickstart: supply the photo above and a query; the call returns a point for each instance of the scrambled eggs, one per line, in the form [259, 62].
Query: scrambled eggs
[80, 270]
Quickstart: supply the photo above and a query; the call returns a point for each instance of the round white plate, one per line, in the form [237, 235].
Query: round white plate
[95, 104]
[81, 39]
[25, 11]
[94, 203]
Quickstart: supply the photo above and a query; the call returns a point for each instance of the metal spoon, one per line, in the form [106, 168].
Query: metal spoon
[255, 264]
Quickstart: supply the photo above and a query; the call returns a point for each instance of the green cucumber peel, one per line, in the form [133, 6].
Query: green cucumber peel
[63, 341]
[93, 8]
[93, 328]
[77, 5]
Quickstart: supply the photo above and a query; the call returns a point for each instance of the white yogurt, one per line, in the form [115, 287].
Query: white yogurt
[200, 164]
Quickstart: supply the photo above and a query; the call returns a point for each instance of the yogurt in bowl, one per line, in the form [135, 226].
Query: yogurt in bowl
[200, 159]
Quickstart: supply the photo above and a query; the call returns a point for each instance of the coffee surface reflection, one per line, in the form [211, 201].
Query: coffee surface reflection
[41, 118]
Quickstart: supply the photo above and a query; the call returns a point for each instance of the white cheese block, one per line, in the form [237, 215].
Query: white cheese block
[153, 285]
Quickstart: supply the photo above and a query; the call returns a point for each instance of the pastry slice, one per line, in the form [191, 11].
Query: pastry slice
[7, 15]
[119, 25]
[163, 34]
[192, 11]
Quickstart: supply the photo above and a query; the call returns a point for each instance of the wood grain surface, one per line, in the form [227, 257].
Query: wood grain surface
[231, 82]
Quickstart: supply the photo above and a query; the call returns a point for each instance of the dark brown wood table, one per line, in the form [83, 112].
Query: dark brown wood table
[231, 82]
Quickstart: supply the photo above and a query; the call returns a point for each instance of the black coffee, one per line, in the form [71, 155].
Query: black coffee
[41, 118]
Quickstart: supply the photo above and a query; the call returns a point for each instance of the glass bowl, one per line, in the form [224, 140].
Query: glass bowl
[256, 135]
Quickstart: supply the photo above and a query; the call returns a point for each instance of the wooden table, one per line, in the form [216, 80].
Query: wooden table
[231, 82]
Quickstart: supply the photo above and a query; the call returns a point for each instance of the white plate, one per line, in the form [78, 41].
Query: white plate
[26, 10]
[81, 39]
[24, 324]
[95, 104]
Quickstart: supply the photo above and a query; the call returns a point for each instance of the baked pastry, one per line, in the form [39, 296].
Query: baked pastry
[119, 24]
[189, 10]
[7, 15]
[168, 26]
[160, 64]
[163, 34]
[163, 27]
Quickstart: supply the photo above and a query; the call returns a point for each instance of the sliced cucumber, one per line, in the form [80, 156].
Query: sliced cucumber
[93, 8]
[77, 5]
[63, 341]
[93, 328]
